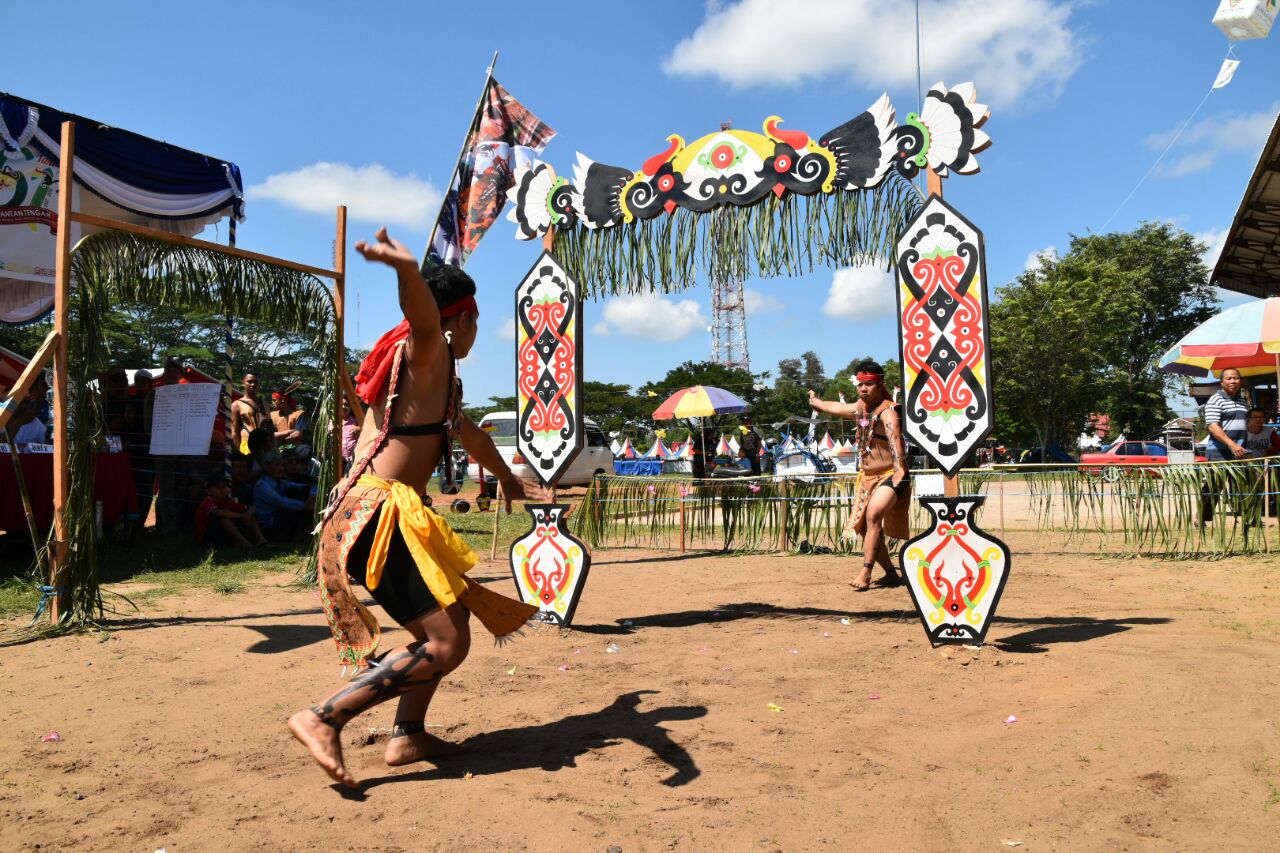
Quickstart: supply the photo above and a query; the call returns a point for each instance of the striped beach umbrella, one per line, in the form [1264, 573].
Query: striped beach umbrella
[1246, 337]
[700, 401]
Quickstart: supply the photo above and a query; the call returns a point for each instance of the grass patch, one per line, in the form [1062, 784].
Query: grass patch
[18, 597]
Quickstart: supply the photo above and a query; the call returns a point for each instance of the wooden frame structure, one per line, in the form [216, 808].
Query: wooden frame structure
[62, 302]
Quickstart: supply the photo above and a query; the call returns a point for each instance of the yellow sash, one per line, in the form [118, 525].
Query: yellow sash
[441, 555]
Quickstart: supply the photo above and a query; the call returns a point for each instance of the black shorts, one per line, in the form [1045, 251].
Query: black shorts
[902, 490]
[402, 592]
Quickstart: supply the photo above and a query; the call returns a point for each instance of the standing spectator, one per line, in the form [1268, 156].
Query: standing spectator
[280, 517]
[285, 418]
[1226, 415]
[749, 446]
[221, 521]
[350, 432]
[247, 414]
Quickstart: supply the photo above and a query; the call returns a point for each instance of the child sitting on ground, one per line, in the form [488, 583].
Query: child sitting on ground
[220, 520]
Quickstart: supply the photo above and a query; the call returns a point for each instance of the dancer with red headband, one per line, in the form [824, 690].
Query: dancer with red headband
[884, 486]
[378, 530]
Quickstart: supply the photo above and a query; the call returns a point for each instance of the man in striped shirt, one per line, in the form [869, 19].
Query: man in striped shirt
[1226, 415]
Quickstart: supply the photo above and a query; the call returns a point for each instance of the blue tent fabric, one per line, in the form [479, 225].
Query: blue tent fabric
[148, 164]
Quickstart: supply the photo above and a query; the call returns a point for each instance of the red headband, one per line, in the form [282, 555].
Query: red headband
[462, 306]
[865, 376]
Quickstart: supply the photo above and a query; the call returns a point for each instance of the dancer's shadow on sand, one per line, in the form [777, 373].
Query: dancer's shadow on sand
[556, 745]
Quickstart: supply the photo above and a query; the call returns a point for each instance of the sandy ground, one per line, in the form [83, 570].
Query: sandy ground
[1144, 694]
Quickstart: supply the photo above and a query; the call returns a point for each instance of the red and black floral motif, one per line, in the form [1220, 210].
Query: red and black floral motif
[548, 369]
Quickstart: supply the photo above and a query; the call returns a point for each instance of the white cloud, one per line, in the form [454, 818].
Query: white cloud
[1011, 47]
[1034, 261]
[860, 293]
[1215, 240]
[372, 193]
[652, 317]
[755, 302]
[505, 331]
[1201, 144]
[601, 329]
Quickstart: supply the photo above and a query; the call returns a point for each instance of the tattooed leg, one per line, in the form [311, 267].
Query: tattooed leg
[414, 743]
[415, 667]
[874, 548]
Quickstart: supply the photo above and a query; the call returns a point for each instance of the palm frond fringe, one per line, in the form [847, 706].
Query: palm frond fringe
[112, 267]
[777, 236]
[1174, 512]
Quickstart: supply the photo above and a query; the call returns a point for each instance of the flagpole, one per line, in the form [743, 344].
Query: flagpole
[475, 120]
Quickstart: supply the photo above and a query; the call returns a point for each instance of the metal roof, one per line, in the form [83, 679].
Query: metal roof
[1250, 259]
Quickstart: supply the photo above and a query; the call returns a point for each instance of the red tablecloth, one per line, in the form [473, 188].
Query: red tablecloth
[112, 484]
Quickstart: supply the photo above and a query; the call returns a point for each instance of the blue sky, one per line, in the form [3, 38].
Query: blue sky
[318, 104]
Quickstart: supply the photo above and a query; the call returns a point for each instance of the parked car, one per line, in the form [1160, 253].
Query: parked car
[1112, 462]
[594, 458]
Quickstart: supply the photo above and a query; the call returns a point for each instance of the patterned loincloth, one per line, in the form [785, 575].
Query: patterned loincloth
[894, 521]
[441, 556]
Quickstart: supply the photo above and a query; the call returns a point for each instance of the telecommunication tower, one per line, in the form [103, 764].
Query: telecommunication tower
[729, 318]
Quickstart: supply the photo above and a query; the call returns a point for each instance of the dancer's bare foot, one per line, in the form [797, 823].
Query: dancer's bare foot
[325, 744]
[407, 749]
[862, 582]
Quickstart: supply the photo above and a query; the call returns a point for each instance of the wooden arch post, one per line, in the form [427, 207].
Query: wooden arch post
[61, 311]
[339, 300]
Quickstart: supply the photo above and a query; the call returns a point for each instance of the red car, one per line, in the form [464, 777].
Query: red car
[1112, 462]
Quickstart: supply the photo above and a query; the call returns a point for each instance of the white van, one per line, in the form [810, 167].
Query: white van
[595, 457]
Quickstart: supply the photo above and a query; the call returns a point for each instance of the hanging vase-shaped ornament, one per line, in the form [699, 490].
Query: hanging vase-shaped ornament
[549, 564]
[955, 571]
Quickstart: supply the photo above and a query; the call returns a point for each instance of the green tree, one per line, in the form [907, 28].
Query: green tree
[1152, 287]
[1084, 332]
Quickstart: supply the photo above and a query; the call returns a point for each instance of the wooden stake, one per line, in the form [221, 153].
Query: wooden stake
[782, 534]
[681, 525]
[339, 296]
[497, 516]
[1003, 532]
[61, 314]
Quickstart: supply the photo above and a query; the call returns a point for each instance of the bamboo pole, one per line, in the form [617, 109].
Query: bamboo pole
[339, 297]
[20, 478]
[61, 312]
[192, 242]
[453, 176]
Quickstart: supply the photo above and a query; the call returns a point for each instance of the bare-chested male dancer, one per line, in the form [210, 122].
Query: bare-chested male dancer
[884, 486]
[379, 529]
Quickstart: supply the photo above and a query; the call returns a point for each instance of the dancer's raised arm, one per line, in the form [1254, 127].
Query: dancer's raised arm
[416, 302]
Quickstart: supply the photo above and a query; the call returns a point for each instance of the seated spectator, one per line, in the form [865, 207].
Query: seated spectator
[297, 466]
[26, 425]
[282, 518]
[262, 442]
[242, 479]
[1259, 439]
[221, 521]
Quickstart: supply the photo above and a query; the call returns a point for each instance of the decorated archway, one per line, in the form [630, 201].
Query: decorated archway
[734, 204]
